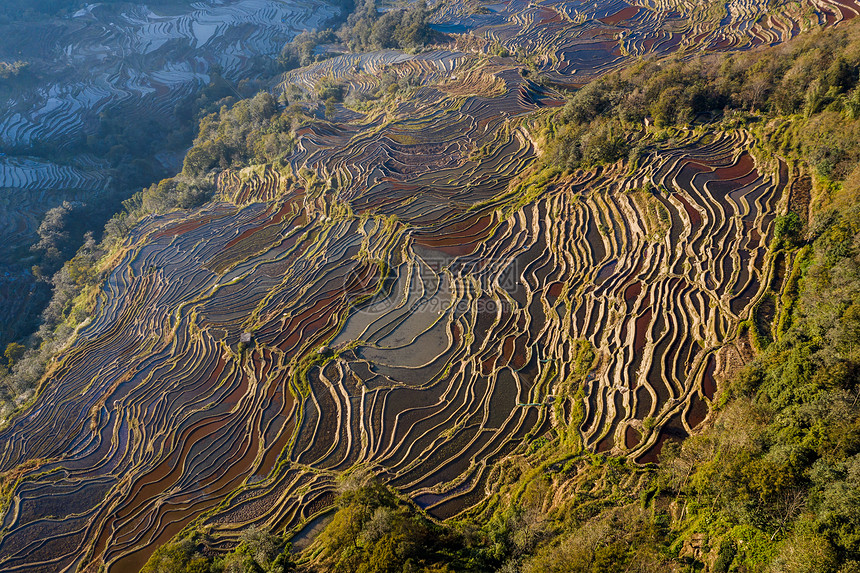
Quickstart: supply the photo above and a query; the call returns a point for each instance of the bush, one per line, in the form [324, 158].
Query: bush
[787, 230]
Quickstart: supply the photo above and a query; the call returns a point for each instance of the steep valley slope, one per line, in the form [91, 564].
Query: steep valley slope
[410, 290]
[91, 115]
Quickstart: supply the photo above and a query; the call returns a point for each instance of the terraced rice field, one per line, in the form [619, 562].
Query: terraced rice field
[128, 59]
[29, 187]
[143, 60]
[414, 307]
[575, 42]
[410, 315]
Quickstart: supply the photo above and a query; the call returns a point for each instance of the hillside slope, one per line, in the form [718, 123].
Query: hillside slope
[444, 271]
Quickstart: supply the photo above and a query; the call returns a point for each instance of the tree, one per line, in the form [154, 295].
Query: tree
[330, 108]
[14, 352]
[841, 76]
[54, 230]
[787, 229]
